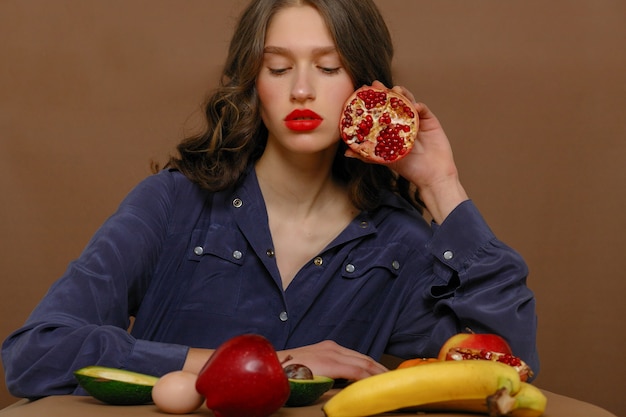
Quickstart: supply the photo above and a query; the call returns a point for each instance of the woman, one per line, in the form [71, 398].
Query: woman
[266, 224]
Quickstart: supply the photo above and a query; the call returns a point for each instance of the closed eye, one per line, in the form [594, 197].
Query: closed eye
[278, 71]
[328, 70]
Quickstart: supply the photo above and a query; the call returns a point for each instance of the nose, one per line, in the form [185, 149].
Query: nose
[302, 88]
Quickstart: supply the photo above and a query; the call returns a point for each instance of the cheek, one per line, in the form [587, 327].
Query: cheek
[340, 91]
[338, 98]
[267, 96]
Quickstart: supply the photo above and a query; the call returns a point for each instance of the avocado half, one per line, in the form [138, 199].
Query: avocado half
[116, 386]
[307, 391]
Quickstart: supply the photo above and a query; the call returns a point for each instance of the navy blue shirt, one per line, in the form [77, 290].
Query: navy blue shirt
[195, 268]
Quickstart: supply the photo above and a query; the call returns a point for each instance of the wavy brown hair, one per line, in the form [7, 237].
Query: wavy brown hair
[235, 135]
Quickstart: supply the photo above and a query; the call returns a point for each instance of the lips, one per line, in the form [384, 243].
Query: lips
[303, 120]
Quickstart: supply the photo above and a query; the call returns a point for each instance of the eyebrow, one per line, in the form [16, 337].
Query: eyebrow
[279, 50]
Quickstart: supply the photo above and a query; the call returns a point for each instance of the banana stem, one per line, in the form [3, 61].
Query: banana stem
[500, 403]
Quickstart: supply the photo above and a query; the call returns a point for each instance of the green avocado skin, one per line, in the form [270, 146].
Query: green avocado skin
[307, 391]
[114, 391]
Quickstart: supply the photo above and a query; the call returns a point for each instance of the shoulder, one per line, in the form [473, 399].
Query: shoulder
[167, 196]
[166, 185]
[399, 220]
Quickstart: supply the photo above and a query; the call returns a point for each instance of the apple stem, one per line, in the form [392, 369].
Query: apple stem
[287, 358]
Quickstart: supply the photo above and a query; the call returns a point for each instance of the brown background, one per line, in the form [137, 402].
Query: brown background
[532, 95]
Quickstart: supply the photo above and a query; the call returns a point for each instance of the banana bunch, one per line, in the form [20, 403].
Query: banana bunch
[482, 386]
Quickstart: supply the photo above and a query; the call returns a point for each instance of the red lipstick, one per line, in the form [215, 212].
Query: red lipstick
[303, 120]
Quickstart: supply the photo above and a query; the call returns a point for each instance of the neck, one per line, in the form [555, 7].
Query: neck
[296, 185]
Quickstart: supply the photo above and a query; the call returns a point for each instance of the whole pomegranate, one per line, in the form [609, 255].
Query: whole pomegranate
[380, 125]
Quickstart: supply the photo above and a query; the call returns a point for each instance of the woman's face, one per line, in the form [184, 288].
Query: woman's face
[302, 84]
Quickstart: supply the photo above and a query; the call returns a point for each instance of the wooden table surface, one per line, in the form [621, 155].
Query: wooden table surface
[76, 406]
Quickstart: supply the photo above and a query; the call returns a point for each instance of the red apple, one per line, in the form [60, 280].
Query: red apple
[476, 341]
[244, 378]
[485, 346]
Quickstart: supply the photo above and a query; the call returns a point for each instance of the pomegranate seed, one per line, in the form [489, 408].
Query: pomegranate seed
[372, 98]
[385, 118]
[389, 143]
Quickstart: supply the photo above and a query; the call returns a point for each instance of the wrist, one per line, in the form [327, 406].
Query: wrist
[442, 197]
[196, 359]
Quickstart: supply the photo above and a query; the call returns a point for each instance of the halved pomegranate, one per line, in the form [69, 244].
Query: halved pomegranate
[380, 125]
[492, 347]
[459, 354]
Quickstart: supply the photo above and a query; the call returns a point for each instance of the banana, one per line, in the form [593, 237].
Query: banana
[528, 402]
[436, 382]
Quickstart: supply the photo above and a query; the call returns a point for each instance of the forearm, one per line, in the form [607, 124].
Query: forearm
[443, 197]
[487, 282]
[40, 358]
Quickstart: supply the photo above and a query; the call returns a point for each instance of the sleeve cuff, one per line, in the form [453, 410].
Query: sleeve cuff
[155, 358]
[460, 236]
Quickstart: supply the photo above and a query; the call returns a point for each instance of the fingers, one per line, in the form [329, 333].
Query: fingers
[403, 91]
[330, 359]
[353, 371]
[428, 120]
[378, 84]
[355, 359]
[349, 153]
[396, 89]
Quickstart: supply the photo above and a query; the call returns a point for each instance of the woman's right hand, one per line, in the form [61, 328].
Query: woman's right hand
[332, 360]
[430, 165]
[324, 358]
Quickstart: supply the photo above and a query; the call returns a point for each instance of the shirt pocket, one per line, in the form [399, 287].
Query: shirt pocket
[367, 278]
[215, 285]
[362, 262]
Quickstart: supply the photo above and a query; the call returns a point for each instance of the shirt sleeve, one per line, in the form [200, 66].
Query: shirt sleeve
[84, 317]
[478, 283]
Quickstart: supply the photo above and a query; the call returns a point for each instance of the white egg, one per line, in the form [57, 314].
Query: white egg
[175, 393]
